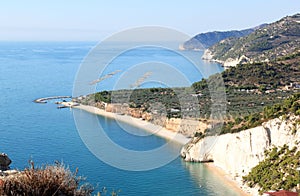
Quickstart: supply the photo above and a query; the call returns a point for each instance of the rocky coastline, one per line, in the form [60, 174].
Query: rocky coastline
[163, 132]
[237, 153]
[230, 62]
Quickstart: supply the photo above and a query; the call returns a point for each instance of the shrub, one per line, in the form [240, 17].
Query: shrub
[55, 180]
[277, 171]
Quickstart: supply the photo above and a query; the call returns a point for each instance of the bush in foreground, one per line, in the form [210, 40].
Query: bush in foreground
[55, 180]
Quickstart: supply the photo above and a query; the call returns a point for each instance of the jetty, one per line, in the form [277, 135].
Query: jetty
[45, 99]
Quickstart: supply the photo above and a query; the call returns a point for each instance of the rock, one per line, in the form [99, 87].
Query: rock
[230, 62]
[4, 161]
[146, 116]
[238, 153]
[185, 126]
[11, 172]
[135, 112]
[207, 55]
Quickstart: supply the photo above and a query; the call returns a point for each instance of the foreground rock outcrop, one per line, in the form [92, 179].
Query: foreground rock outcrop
[4, 162]
[238, 153]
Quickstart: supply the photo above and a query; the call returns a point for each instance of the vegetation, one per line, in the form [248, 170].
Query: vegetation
[289, 105]
[255, 92]
[278, 171]
[266, 43]
[206, 40]
[143, 99]
[55, 180]
[249, 89]
[104, 96]
[261, 76]
[264, 76]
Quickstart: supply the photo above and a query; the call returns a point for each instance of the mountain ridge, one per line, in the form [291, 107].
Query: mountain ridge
[205, 40]
[265, 44]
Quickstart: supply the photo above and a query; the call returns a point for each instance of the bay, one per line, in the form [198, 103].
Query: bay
[42, 133]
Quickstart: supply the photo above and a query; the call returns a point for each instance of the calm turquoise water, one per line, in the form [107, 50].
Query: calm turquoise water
[44, 134]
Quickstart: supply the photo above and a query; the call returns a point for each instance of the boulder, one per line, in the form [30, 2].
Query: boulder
[4, 162]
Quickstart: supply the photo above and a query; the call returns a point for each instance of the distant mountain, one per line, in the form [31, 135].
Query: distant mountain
[264, 44]
[203, 41]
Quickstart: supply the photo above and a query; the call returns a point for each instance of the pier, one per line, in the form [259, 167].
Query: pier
[45, 99]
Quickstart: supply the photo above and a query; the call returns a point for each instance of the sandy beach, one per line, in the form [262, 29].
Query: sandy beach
[226, 178]
[164, 133]
[139, 123]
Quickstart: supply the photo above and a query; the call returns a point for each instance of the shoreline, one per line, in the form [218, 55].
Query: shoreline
[166, 134]
[139, 123]
[226, 178]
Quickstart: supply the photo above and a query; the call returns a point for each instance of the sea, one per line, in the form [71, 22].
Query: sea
[44, 134]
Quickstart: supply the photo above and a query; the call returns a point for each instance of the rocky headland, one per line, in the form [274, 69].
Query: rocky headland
[238, 153]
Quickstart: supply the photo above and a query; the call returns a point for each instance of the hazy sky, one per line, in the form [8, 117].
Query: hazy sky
[97, 19]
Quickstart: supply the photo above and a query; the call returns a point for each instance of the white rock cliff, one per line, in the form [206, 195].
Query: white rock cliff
[230, 62]
[238, 153]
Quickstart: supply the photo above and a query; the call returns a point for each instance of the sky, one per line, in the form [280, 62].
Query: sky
[94, 20]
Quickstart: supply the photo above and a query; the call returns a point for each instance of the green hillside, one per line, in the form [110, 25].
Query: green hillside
[206, 40]
[278, 171]
[249, 89]
[268, 43]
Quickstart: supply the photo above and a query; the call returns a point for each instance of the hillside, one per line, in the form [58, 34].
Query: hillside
[278, 171]
[206, 40]
[265, 44]
[266, 75]
[262, 150]
[249, 89]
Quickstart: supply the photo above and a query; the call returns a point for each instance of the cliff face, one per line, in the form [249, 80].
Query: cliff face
[230, 62]
[186, 127]
[237, 153]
